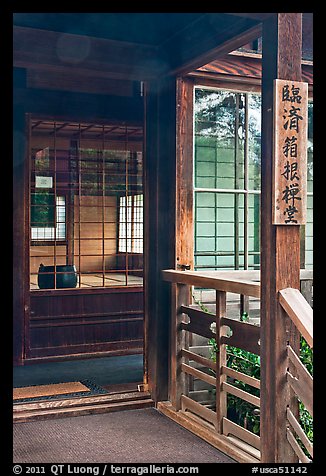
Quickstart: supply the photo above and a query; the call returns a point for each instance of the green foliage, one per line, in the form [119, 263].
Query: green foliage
[43, 209]
[306, 355]
[244, 317]
[306, 421]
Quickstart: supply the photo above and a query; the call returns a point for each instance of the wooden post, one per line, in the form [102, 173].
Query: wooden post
[20, 244]
[179, 340]
[184, 173]
[159, 222]
[168, 217]
[221, 395]
[184, 232]
[280, 245]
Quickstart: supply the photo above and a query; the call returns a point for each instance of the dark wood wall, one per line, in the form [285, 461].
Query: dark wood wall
[50, 323]
[67, 322]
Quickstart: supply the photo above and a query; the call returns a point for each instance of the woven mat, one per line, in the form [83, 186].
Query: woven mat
[49, 390]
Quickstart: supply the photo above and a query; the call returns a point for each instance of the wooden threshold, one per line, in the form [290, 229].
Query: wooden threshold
[112, 402]
[83, 356]
[207, 432]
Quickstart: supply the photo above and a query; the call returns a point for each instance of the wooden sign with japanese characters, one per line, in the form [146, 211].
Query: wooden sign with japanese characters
[290, 152]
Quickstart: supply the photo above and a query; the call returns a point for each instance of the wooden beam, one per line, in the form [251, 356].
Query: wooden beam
[82, 106]
[200, 322]
[199, 359]
[217, 281]
[82, 409]
[254, 16]
[212, 36]
[198, 409]
[244, 335]
[198, 374]
[241, 394]
[44, 405]
[83, 55]
[280, 253]
[69, 81]
[254, 382]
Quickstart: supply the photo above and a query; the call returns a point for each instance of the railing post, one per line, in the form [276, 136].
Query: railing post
[179, 341]
[221, 395]
[306, 289]
[244, 304]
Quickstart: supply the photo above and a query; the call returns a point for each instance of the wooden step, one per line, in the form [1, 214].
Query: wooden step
[81, 406]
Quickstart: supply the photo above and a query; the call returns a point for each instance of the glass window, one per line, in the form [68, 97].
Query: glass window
[48, 217]
[131, 224]
[227, 180]
[86, 205]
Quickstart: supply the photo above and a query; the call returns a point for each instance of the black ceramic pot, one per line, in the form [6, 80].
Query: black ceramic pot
[66, 276]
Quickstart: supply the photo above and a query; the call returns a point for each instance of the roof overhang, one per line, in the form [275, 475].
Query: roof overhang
[174, 45]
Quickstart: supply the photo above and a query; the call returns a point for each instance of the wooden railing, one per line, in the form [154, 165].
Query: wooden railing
[298, 309]
[298, 377]
[188, 366]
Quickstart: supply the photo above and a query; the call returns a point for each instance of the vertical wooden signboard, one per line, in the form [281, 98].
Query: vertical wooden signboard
[290, 152]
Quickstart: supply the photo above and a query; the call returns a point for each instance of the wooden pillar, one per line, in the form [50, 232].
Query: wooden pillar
[18, 232]
[168, 218]
[159, 221]
[280, 244]
[19, 242]
[184, 173]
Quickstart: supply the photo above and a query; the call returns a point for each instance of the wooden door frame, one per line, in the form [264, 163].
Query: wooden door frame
[20, 239]
[21, 320]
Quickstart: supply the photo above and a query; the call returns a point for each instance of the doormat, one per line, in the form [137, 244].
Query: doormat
[83, 388]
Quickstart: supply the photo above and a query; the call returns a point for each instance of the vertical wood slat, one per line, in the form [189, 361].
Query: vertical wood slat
[126, 204]
[180, 340]
[55, 203]
[103, 201]
[78, 153]
[221, 395]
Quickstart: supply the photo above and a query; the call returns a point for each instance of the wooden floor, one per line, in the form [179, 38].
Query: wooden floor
[96, 280]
